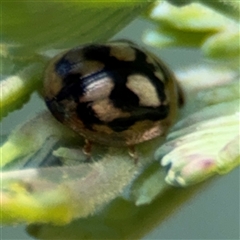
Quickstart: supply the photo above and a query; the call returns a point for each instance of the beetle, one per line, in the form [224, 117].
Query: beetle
[114, 93]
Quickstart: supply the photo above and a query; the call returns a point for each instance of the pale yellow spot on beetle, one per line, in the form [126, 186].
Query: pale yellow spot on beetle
[106, 112]
[87, 68]
[159, 75]
[145, 130]
[52, 85]
[144, 89]
[52, 82]
[153, 60]
[122, 52]
[150, 59]
[80, 65]
[97, 90]
[103, 129]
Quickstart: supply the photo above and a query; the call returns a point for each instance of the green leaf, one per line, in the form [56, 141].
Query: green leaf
[58, 195]
[33, 32]
[46, 25]
[54, 194]
[197, 25]
[16, 89]
[206, 142]
[121, 219]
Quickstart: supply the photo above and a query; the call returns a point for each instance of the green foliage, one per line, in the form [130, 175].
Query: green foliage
[116, 197]
[195, 25]
[33, 32]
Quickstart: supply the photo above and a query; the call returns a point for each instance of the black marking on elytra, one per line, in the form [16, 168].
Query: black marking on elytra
[63, 67]
[141, 114]
[148, 70]
[72, 88]
[71, 79]
[155, 66]
[121, 96]
[57, 109]
[124, 98]
[96, 52]
[89, 118]
[75, 86]
[121, 124]
[87, 115]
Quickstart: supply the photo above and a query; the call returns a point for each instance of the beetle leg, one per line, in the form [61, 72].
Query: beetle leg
[87, 148]
[132, 152]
